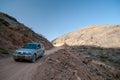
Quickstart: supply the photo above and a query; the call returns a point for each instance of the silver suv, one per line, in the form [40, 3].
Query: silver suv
[30, 51]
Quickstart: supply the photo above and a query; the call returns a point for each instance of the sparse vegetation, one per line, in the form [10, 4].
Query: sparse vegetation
[103, 57]
[4, 51]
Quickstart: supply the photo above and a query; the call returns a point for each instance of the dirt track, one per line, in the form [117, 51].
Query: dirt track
[11, 70]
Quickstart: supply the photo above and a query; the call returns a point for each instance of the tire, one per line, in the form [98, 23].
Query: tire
[33, 59]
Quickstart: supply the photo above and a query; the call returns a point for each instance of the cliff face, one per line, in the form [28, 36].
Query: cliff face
[14, 34]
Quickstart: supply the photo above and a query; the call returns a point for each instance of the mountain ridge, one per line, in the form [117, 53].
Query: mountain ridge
[92, 35]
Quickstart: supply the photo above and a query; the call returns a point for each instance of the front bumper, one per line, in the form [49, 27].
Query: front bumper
[22, 57]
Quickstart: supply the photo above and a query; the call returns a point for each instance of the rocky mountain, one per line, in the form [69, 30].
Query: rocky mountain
[100, 41]
[14, 34]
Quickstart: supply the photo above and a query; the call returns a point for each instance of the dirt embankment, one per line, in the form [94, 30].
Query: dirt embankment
[66, 64]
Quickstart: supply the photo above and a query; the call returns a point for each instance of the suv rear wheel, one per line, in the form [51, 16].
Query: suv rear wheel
[16, 60]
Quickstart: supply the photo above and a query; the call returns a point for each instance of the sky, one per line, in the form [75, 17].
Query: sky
[53, 18]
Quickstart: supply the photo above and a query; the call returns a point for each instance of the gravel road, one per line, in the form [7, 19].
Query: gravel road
[11, 70]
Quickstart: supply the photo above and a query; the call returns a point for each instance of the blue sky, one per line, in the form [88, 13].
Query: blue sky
[53, 18]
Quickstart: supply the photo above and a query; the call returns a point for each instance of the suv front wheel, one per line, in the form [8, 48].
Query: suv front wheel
[33, 59]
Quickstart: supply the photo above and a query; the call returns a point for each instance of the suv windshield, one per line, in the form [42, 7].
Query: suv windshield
[30, 46]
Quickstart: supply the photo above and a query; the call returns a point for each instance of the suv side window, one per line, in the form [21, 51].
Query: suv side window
[39, 46]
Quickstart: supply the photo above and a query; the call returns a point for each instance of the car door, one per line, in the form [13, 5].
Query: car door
[39, 50]
[42, 49]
